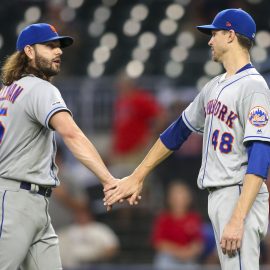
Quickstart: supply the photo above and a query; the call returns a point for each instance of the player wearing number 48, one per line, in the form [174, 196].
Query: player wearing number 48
[232, 114]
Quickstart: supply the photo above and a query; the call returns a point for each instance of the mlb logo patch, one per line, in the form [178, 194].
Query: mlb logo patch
[258, 117]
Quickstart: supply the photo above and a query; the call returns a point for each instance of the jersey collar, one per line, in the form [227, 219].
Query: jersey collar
[247, 66]
[223, 76]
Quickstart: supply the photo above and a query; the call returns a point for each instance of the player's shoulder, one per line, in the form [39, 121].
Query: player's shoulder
[253, 81]
[253, 77]
[33, 84]
[32, 81]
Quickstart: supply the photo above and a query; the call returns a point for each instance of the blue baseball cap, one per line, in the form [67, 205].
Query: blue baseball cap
[232, 19]
[40, 33]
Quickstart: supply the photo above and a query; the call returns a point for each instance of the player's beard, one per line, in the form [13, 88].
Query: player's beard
[46, 66]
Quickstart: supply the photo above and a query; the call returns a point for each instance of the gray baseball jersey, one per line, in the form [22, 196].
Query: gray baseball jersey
[229, 112]
[27, 144]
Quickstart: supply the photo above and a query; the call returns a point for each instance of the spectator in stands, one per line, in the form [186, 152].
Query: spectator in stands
[138, 117]
[177, 232]
[87, 241]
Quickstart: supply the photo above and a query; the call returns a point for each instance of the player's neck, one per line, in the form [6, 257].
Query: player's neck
[235, 61]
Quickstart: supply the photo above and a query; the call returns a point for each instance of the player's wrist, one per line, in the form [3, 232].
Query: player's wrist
[238, 217]
[108, 180]
[139, 175]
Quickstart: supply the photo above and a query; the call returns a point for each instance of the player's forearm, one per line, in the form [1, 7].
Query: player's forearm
[251, 187]
[157, 154]
[80, 146]
[87, 154]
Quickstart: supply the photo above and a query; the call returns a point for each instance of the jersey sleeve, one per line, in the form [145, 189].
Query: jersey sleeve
[43, 101]
[194, 114]
[256, 117]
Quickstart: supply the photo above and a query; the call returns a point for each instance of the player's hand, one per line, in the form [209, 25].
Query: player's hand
[127, 188]
[109, 190]
[110, 186]
[232, 237]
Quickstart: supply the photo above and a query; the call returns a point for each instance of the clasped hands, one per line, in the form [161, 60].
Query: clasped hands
[128, 188]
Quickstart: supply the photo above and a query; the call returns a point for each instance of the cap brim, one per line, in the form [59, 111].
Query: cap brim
[207, 29]
[65, 41]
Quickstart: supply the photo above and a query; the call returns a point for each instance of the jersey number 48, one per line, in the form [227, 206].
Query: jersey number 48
[223, 142]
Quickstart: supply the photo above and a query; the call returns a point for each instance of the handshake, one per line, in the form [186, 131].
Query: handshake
[118, 190]
[130, 187]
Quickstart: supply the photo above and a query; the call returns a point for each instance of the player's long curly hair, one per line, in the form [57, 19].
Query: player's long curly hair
[16, 66]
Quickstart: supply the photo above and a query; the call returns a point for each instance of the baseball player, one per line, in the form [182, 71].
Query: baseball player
[31, 109]
[232, 113]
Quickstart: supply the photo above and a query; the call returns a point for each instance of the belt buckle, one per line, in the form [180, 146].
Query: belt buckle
[34, 188]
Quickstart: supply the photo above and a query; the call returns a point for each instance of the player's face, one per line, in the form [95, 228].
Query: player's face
[218, 45]
[48, 58]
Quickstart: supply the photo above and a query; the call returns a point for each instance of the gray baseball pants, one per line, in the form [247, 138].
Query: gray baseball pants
[27, 238]
[221, 204]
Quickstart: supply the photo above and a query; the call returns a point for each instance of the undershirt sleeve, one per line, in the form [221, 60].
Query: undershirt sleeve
[175, 135]
[258, 158]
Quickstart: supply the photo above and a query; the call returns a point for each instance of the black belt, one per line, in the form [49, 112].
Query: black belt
[44, 191]
[212, 189]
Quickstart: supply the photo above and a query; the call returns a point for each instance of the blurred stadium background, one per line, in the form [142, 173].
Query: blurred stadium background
[157, 44]
[154, 40]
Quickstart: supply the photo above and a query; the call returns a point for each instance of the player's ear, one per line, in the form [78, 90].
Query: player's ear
[231, 36]
[29, 51]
